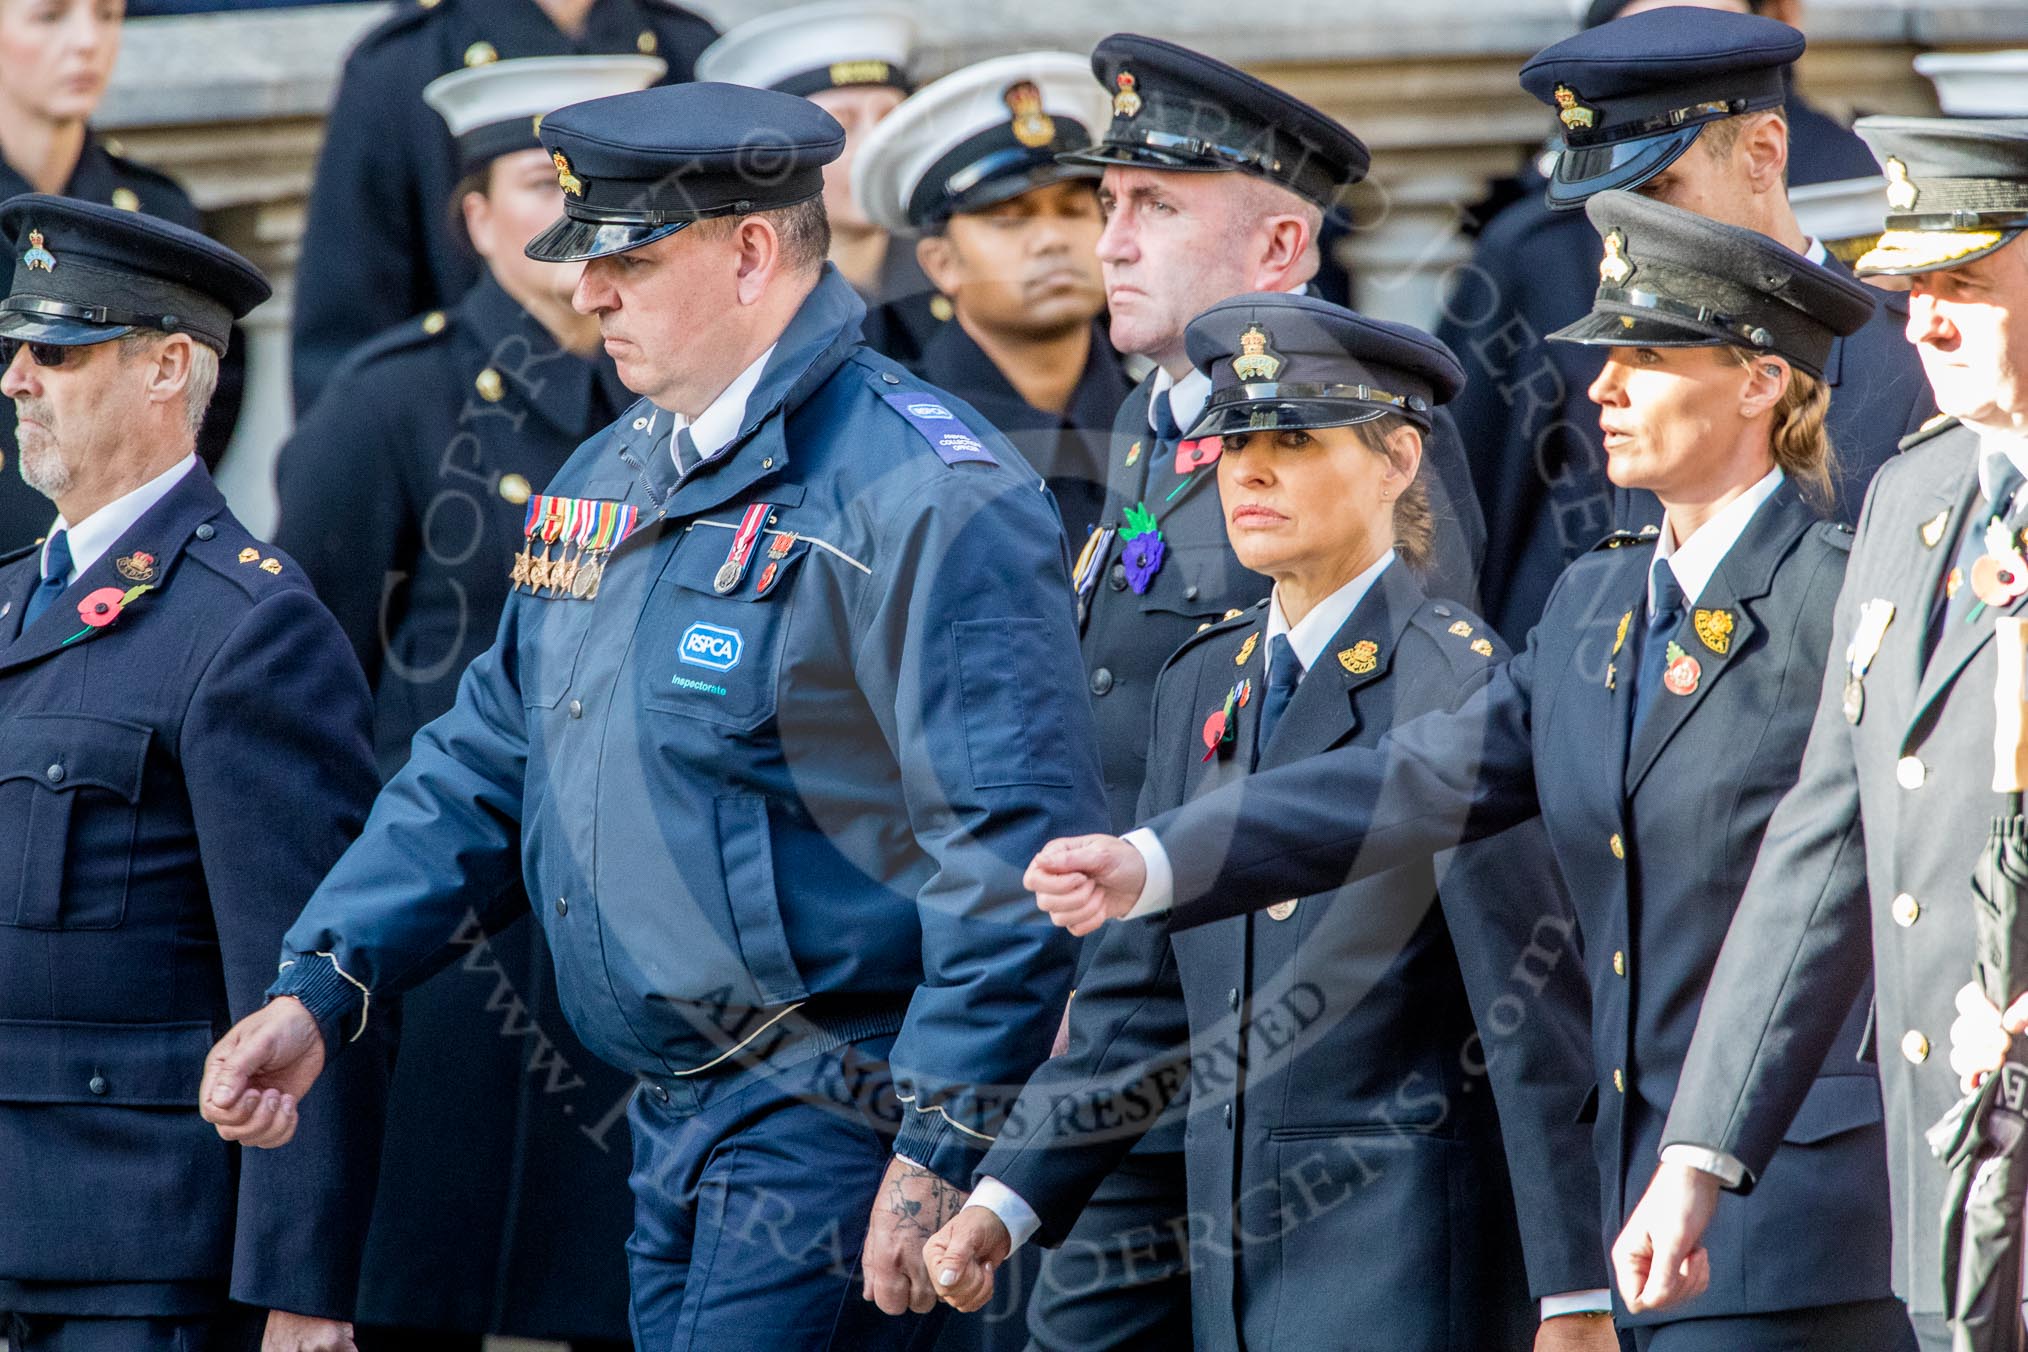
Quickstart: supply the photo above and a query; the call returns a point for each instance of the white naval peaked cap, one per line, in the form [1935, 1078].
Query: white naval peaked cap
[1846, 208]
[811, 48]
[498, 108]
[1978, 84]
[979, 136]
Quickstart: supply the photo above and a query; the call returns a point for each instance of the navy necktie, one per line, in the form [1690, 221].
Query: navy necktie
[1665, 616]
[55, 577]
[1285, 670]
[1164, 419]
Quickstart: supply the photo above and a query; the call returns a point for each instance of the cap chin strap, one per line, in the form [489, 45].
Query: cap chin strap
[1363, 394]
[92, 314]
[1696, 314]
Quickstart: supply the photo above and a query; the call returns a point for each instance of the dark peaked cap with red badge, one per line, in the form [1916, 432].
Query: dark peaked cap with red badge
[639, 167]
[1178, 109]
[86, 273]
[1672, 278]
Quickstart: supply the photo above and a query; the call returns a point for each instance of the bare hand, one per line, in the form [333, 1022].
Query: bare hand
[300, 1333]
[963, 1255]
[1083, 881]
[1657, 1260]
[1576, 1333]
[1981, 1035]
[259, 1071]
[912, 1205]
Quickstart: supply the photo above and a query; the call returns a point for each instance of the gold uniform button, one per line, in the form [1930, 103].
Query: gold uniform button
[1909, 772]
[490, 386]
[1906, 910]
[429, 4]
[515, 489]
[1619, 962]
[941, 309]
[434, 322]
[1619, 1080]
[646, 43]
[1281, 910]
[1617, 846]
[481, 54]
[126, 199]
[1915, 1046]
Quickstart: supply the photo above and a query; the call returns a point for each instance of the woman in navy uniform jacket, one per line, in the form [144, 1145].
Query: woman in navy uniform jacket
[1656, 717]
[403, 494]
[55, 60]
[1338, 1076]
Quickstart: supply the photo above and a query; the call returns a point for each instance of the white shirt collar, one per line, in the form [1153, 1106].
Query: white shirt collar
[1309, 635]
[1187, 397]
[714, 429]
[90, 538]
[1696, 560]
[1817, 253]
[2009, 444]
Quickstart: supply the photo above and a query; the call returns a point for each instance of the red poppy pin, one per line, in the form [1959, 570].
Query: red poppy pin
[1195, 455]
[102, 606]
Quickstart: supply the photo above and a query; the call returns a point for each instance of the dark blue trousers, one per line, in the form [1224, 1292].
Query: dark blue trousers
[238, 1329]
[1861, 1326]
[751, 1199]
[1121, 1280]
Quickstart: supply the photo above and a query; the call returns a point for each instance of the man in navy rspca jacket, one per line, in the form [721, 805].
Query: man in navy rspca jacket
[183, 753]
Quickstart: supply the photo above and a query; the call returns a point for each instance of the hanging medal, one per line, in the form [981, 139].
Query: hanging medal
[1091, 559]
[517, 577]
[733, 570]
[1874, 617]
[577, 525]
[1144, 548]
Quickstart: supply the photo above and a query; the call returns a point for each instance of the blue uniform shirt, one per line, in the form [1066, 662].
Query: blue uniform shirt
[818, 788]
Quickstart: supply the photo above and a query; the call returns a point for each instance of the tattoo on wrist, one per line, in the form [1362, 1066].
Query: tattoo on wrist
[920, 1201]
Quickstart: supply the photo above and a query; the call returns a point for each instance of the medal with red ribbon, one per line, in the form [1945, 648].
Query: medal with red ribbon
[733, 570]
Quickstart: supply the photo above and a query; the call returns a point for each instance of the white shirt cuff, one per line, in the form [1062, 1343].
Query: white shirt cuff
[1019, 1217]
[1578, 1302]
[1158, 894]
[1725, 1168]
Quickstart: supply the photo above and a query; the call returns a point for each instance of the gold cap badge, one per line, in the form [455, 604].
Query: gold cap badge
[38, 258]
[860, 72]
[572, 185]
[1615, 268]
[1032, 127]
[1572, 111]
[1126, 99]
[481, 54]
[126, 199]
[1902, 194]
[1255, 359]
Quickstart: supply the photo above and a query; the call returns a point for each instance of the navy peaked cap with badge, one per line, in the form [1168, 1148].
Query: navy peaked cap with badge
[87, 273]
[1632, 94]
[1957, 189]
[639, 167]
[1279, 361]
[1182, 110]
[807, 49]
[497, 108]
[1672, 278]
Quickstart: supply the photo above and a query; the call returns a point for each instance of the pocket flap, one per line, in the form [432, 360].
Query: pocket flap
[699, 559]
[71, 751]
[1835, 1104]
[133, 1064]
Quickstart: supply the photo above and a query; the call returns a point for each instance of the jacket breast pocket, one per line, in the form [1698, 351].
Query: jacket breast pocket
[73, 783]
[710, 645]
[1202, 581]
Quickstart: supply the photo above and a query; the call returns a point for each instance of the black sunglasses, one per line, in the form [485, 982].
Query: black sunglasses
[42, 354]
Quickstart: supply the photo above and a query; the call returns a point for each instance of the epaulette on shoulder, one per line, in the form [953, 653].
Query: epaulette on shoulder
[1620, 539]
[1935, 427]
[927, 411]
[414, 332]
[233, 553]
[1461, 636]
[1230, 622]
[1836, 534]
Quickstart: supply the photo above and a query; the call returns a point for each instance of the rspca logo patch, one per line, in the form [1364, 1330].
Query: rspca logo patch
[711, 646]
[930, 411]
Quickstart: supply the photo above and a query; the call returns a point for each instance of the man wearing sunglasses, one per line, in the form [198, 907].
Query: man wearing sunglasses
[183, 753]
